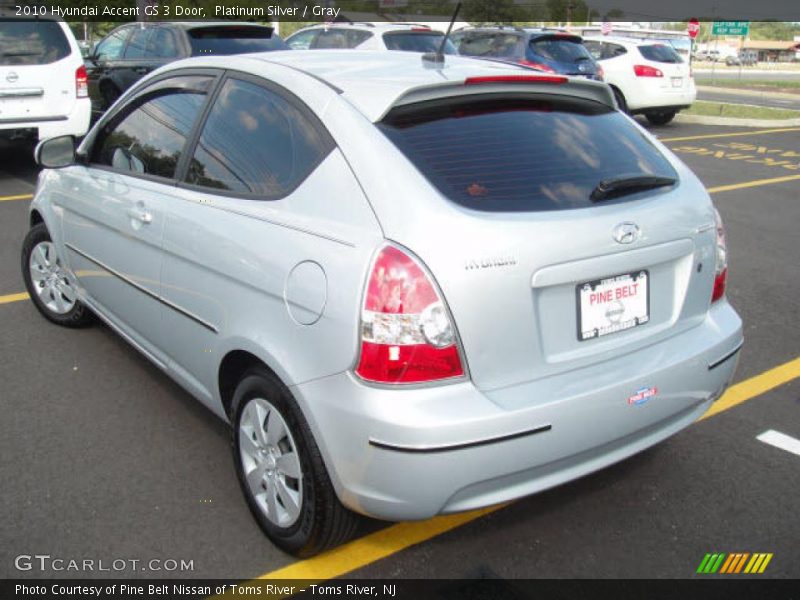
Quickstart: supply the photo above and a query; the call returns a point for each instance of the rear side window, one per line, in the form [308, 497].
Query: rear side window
[233, 40]
[162, 44]
[417, 42]
[150, 139]
[341, 38]
[256, 142]
[497, 45]
[560, 50]
[137, 43]
[517, 153]
[302, 40]
[660, 53]
[31, 42]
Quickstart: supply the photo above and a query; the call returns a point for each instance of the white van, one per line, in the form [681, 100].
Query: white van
[43, 86]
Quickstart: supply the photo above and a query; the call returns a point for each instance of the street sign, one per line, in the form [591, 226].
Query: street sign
[731, 28]
[693, 28]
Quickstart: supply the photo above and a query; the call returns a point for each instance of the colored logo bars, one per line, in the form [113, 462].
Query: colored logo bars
[734, 563]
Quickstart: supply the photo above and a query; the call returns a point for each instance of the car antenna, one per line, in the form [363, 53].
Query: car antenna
[436, 59]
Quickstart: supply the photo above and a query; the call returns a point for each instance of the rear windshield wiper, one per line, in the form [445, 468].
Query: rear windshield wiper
[620, 186]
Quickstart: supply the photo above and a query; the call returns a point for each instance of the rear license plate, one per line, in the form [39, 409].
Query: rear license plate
[613, 304]
[677, 81]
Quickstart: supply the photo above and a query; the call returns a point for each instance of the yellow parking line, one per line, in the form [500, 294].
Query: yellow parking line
[17, 197]
[722, 135]
[391, 540]
[13, 298]
[755, 386]
[754, 183]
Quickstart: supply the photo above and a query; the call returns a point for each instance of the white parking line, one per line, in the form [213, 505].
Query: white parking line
[780, 440]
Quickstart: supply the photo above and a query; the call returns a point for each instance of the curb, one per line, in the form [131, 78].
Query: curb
[751, 93]
[734, 122]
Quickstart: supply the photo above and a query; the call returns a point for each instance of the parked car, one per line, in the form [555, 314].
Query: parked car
[647, 77]
[496, 318]
[43, 89]
[732, 61]
[546, 50]
[369, 36]
[127, 53]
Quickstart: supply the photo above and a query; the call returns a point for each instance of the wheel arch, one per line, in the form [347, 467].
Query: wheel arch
[234, 364]
[35, 218]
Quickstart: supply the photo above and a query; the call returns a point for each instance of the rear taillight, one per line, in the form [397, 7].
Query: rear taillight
[536, 65]
[81, 83]
[647, 71]
[407, 335]
[721, 272]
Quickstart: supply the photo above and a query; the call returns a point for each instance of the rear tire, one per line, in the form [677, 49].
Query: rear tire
[660, 118]
[48, 285]
[281, 472]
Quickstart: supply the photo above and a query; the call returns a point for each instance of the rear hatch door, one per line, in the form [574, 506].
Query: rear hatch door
[664, 58]
[37, 76]
[542, 279]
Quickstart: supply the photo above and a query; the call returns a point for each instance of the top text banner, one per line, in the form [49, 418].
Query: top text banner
[576, 12]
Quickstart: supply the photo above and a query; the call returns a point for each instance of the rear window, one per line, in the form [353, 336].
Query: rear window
[31, 42]
[233, 40]
[560, 50]
[498, 45]
[412, 41]
[515, 153]
[660, 53]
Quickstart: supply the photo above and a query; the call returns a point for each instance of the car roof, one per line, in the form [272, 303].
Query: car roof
[374, 81]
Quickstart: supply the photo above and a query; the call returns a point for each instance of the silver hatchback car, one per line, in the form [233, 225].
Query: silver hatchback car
[412, 289]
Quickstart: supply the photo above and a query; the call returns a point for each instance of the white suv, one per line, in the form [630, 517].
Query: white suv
[647, 76]
[411, 37]
[43, 85]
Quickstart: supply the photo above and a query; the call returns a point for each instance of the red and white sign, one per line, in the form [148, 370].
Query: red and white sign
[606, 27]
[693, 28]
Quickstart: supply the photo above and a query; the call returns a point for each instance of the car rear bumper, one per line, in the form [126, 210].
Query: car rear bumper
[413, 453]
[658, 98]
[76, 122]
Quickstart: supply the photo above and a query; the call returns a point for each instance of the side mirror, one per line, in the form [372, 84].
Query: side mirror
[55, 153]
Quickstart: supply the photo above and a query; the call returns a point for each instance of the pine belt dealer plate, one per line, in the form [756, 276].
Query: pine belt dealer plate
[613, 304]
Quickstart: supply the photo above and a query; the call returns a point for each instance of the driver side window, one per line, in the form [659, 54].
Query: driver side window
[149, 139]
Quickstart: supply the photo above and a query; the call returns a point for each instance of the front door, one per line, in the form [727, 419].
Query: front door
[113, 222]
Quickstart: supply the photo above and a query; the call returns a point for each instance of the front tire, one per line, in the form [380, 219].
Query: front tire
[660, 118]
[47, 283]
[281, 471]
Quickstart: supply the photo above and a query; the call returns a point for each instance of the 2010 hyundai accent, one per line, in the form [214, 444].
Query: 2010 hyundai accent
[412, 288]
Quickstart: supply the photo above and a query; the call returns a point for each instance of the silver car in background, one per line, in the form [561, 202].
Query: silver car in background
[412, 289]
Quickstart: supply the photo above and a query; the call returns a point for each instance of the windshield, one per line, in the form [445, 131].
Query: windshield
[415, 41]
[518, 153]
[234, 40]
[31, 42]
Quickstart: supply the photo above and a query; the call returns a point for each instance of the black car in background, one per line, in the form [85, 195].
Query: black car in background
[131, 51]
[552, 51]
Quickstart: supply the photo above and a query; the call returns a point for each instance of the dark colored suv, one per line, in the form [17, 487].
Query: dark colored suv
[547, 50]
[131, 51]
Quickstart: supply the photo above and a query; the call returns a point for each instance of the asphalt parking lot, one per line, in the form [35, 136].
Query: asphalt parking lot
[103, 457]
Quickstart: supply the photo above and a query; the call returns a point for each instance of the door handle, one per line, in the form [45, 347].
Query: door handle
[141, 70]
[141, 215]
